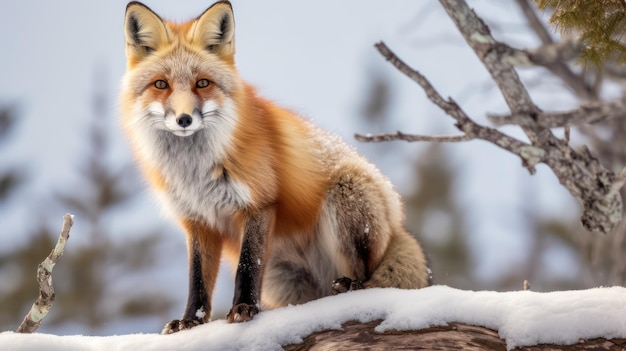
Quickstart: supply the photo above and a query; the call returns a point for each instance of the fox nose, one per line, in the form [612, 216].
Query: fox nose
[184, 120]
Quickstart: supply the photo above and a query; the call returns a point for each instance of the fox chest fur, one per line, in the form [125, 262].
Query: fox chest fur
[198, 186]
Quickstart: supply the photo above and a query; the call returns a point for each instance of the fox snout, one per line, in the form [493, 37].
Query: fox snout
[182, 115]
[184, 120]
[183, 124]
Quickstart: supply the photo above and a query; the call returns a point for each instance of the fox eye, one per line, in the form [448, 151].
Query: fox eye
[160, 84]
[202, 83]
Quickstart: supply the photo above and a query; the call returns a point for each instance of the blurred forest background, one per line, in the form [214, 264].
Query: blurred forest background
[108, 275]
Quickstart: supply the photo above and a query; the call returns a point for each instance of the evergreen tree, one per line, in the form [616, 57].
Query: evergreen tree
[10, 177]
[601, 25]
[12, 293]
[433, 213]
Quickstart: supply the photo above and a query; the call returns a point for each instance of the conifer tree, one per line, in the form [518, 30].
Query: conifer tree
[601, 25]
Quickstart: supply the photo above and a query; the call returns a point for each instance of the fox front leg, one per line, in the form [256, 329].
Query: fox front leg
[197, 301]
[204, 252]
[250, 269]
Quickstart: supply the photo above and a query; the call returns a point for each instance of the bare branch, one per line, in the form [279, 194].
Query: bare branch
[574, 81]
[579, 171]
[537, 25]
[430, 91]
[593, 112]
[554, 57]
[44, 302]
[494, 55]
[375, 138]
[620, 180]
[556, 54]
[530, 155]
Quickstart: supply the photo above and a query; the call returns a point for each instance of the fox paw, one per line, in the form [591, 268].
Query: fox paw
[180, 324]
[343, 284]
[242, 312]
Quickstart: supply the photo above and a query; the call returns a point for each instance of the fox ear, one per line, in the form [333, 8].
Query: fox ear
[214, 30]
[145, 31]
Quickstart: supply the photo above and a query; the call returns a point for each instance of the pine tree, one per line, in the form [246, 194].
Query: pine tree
[10, 177]
[12, 292]
[601, 25]
[434, 215]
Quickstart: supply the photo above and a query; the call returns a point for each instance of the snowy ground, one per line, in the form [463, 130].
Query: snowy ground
[522, 318]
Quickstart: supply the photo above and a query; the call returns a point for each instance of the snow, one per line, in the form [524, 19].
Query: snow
[522, 318]
[200, 313]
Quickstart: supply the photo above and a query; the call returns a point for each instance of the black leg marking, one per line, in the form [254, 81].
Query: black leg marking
[360, 233]
[250, 270]
[344, 284]
[198, 305]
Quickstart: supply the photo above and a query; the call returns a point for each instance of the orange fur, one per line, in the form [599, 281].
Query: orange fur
[272, 141]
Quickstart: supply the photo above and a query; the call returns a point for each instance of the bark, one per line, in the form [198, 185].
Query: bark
[362, 336]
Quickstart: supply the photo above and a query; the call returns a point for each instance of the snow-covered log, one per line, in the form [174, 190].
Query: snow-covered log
[357, 336]
[378, 318]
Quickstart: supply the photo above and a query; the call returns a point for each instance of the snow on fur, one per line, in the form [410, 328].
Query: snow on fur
[522, 318]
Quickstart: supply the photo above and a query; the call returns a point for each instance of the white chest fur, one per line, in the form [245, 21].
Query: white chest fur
[197, 186]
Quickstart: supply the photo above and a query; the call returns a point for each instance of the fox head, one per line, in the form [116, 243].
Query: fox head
[180, 78]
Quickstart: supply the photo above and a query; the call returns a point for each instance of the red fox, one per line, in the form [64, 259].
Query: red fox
[299, 213]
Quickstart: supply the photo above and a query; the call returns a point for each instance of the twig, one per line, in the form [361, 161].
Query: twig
[44, 302]
[593, 112]
[559, 67]
[537, 25]
[620, 180]
[375, 138]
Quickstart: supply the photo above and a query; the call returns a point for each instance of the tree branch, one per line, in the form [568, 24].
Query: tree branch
[537, 25]
[376, 138]
[593, 112]
[530, 155]
[44, 302]
[565, 49]
[579, 171]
